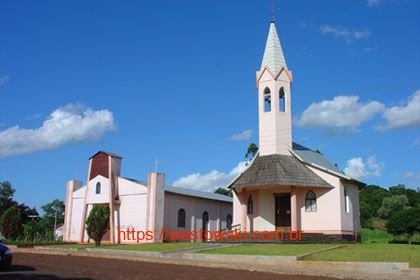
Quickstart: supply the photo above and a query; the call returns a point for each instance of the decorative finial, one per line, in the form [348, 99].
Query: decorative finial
[156, 165]
[273, 13]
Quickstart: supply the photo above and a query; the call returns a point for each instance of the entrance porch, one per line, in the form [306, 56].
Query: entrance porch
[268, 209]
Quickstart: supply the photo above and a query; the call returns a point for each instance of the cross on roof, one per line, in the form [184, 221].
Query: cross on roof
[156, 164]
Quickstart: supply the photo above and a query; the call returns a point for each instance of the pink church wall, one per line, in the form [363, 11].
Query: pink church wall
[194, 208]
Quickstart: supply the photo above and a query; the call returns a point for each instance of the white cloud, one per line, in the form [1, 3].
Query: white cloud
[348, 35]
[4, 79]
[405, 116]
[244, 135]
[68, 124]
[372, 3]
[341, 115]
[209, 181]
[358, 168]
[407, 175]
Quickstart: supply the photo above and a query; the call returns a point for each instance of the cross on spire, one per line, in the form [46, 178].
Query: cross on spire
[273, 13]
[156, 164]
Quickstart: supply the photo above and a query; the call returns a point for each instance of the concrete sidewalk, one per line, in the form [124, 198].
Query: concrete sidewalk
[273, 264]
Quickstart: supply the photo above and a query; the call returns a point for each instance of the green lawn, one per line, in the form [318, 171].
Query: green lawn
[381, 236]
[269, 249]
[151, 247]
[372, 253]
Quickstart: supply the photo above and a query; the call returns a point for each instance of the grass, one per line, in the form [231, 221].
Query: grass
[381, 236]
[372, 253]
[269, 249]
[151, 247]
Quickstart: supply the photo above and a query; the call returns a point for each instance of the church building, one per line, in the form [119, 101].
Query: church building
[288, 186]
[144, 207]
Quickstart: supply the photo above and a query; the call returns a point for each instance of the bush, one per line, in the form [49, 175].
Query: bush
[97, 223]
[11, 223]
[37, 231]
[405, 222]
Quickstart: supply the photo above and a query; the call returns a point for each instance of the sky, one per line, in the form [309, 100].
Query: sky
[175, 80]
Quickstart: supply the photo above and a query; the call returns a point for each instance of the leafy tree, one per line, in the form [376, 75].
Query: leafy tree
[6, 196]
[412, 195]
[53, 210]
[371, 197]
[26, 212]
[405, 222]
[251, 151]
[224, 191]
[391, 205]
[97, 223]
[11, 223]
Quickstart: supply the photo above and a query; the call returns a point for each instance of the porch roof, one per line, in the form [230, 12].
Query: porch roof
[280, 170]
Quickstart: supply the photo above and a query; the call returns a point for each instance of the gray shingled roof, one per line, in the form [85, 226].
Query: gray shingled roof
[200, 194]
[309, 156]
[280, 170]
[189, 192]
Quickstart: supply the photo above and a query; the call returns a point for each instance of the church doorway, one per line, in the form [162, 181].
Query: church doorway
[282, 211]
[205, 226]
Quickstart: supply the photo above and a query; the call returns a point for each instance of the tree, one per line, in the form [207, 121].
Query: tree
[27, 213]
[224, 191]
[251, 151]
[97, 223]
[405, 222]
[412, 195]
[391, 205]
[6, 196]
[371, 197]
[11, 223]
[52, 211]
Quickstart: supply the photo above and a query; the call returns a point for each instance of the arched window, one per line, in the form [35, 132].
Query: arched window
[267, 100]
[310, 202]
[98, 188]
[229, 221]
[205, 225]
[282, 100]
[250, 205]
[181, 218]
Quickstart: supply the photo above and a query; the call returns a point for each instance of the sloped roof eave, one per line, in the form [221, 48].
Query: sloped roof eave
[280, 170]
[332, 172]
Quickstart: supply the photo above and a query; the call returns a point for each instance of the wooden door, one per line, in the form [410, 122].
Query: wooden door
[282, 205]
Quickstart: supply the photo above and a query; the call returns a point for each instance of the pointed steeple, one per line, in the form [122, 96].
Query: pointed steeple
[273, 53]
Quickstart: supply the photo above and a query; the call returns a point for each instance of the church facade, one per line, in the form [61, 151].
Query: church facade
[141, 206]
[288, 186]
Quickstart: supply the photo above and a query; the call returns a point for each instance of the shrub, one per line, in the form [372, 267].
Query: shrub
[97, 223]
[405, 222]
[11, 223]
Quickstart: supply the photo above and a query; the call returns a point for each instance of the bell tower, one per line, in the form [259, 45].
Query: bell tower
[274, 98]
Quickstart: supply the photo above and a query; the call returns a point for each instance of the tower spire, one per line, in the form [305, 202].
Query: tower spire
[273, 54]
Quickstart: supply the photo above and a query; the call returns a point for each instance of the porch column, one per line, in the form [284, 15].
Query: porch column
[218, 218]
[244, 211]
[193, 226]
[293, 209]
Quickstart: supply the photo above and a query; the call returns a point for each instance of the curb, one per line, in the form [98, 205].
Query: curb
[301, 257]
[272, 264]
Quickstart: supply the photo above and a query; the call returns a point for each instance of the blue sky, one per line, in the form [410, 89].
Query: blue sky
[175, 80]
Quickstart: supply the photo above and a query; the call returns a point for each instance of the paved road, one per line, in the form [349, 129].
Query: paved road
[49, 267]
